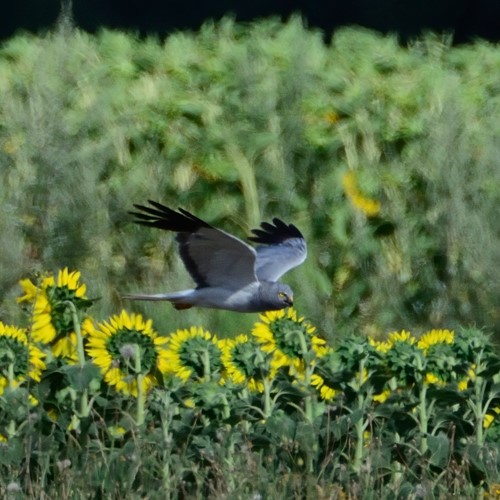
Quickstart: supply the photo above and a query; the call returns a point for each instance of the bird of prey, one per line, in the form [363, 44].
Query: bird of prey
[229, 273]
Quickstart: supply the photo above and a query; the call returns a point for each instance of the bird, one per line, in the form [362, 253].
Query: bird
[229, 273]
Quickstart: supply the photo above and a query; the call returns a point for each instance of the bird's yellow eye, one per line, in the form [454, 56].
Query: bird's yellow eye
[282, 295]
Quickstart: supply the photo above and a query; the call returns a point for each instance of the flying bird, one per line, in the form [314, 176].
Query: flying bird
[229, 273]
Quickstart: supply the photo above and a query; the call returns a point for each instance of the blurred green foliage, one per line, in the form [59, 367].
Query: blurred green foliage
[239, 123]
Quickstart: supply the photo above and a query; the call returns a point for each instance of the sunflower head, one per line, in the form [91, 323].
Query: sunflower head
[289, 338]
[124, 347]
[193, 353]
[245, 363]
[50, 298]
[325, 391]
[19, 360]
[65, 348]
[435, 337]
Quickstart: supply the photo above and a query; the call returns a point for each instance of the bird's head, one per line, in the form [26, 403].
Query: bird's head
[275, 296]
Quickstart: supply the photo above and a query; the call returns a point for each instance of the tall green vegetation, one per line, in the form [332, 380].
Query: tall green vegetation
[385, 156]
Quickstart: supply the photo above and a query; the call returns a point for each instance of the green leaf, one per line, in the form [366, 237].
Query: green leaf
[80, 377]
[439, 447]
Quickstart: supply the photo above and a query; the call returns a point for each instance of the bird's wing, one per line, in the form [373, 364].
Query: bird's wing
[282, 247]
[211, 256]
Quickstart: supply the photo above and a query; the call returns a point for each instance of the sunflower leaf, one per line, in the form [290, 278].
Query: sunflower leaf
[81, 376]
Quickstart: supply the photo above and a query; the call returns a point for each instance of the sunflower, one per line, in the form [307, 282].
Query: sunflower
[19, 359]
[66, 347]
[245, 363]
[288, 338]
[490, 417]
[433, 379]
[325, 391]
[382, 397]
[191, 353]
[433, 337]
[52, 317]
[402, 336]
[381, 346]
[124, 347]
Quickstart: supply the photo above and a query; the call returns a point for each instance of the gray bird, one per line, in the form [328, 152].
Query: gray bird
[229, 273]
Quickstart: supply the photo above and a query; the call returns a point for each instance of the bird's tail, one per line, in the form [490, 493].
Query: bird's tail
[180, 300]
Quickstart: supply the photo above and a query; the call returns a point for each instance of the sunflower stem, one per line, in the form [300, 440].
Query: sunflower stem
[422, 410]
[423, 418]
[141, 396]
[206, 365]
[477, 402]
[11, 427]
[267, 398]
[10, 375]
[359, 425]
[85, 406]
[166, 419]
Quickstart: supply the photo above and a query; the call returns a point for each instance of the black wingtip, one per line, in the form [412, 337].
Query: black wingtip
[274, 233]
[163, 217]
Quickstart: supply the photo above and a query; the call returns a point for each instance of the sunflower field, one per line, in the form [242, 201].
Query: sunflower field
[116, 409]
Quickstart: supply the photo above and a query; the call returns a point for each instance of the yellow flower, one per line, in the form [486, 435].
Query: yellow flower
[19, 360]
[432, 379]
[331, 117]
[494, 491]
[50, 305]
[402, 336]
[382, 396]
[66, 347]
[288, 338]
[393, 338]
[380, 346]
[368, 206]
[325, 391]
[434, 337]
[189, 403]
[191, 353]
[489, 418]
[116, 431]
[124, 347]
[245, 363]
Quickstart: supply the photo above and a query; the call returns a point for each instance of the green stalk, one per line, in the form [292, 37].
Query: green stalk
[166, 417]
[479, 412]
[11, 427]
[308, 404]
[478, 407]
[424, 422]
[85, 405]
[141, 396]
[423, 418]
[308, 399]
[359, 426]
[267, 398]
[207, 372]
[397, 472]
[10, 374]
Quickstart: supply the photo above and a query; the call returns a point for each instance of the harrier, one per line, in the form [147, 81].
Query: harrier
[229, 273]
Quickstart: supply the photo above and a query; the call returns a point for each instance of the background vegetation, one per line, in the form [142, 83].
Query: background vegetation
[241, 123]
